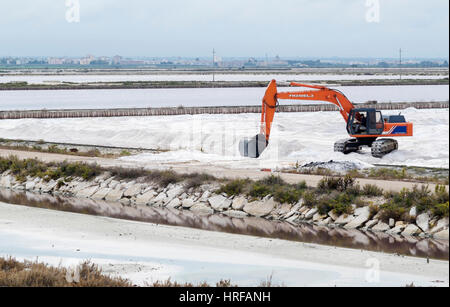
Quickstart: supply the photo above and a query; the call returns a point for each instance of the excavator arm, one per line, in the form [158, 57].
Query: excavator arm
[319, 93]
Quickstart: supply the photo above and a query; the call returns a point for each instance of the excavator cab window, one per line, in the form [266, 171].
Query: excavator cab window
[365, 122]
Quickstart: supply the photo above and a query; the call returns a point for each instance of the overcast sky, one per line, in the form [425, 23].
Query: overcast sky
[319, 28]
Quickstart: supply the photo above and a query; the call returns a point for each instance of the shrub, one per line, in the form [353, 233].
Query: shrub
[353, 190]
[441, 194]
[272, 180]
[34, 274]
[309, 199]
[342, 208]
[344, 198]
[259, 190]
[441, 210]
[387, 173]
[233, 188]
[390, 210]
[60, 183]
[287, 195]
[195, 180]
[5, 164]
[373, 209]
[22, 168]
[340, 204]
[301, 185]
[93, 153]
[272, 185]
[83, 170]
[324, 205]
[421, 198]
[409, 198]
[340, 184]
[164, 178]
[372, 190]
[128, 173]
[54, 149]
[125, 153]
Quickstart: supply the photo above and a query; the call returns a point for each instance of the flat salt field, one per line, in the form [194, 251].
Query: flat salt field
[145, 253]
[213, 139]
[144, 98]
[42, 79]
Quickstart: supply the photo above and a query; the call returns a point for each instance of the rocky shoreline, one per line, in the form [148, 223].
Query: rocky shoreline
[204, 201]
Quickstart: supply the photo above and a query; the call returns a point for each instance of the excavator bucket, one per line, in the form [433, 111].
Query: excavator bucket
[254, 147]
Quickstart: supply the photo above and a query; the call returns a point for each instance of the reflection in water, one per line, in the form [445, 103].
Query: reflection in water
[248, 226]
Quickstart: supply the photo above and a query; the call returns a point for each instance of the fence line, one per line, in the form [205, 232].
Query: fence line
[135, 112]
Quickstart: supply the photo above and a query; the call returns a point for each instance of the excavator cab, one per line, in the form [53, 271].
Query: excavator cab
[365, 122]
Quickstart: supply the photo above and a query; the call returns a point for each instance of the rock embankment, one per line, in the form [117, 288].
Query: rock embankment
[203, 200]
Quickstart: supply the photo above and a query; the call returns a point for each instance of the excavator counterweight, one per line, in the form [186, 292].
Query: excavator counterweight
[364, 125]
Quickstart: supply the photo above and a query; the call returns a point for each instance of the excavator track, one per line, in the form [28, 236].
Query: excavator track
[382, 147]
[346, 146]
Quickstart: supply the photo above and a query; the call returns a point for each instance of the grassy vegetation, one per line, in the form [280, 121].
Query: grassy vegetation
[340, 204]
[6, 144]
[21, 169]
[412, 174]
[340, 194]
[398, 205]
[271, 186]
[407, 174]
[372, 190]
[332, 193]
[162, 178]
[33, 274]
[65, 171]
[14, 273]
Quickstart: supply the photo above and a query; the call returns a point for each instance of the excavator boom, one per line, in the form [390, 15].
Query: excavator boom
[320, 93]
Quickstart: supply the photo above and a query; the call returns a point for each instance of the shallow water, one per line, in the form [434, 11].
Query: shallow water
[248, 226]
[199, 97]
[180, 270]
[42, 79]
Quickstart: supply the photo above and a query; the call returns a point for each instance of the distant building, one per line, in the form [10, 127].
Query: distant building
[116, 60]
[132, 62]
[252, 62]
[217, 61]
[56, 61]
[87, 60]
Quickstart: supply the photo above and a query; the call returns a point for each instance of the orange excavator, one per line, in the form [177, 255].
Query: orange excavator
[366, 126]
